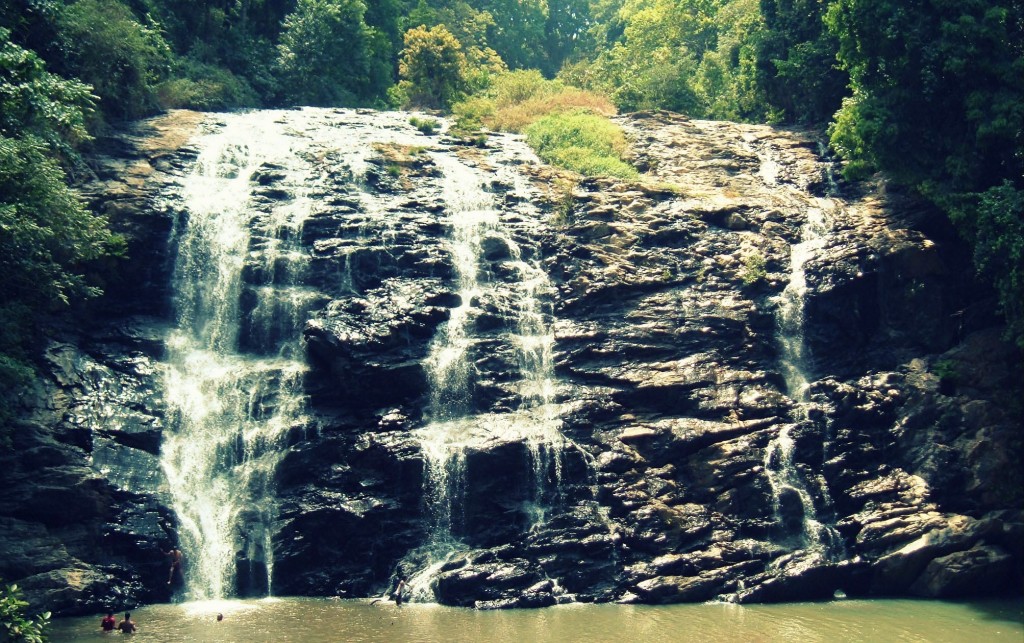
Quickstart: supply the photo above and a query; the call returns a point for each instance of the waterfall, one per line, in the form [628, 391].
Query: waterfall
[455, 428]
[791, 495]
[472, 214]
[535, 340]
[791, 303]
[787, 483]
[234, 366]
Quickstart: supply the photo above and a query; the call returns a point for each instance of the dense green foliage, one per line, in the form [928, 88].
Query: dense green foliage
[123, 59]
[330, 56]
[994, 222]
[47, 238]
[796, 62]
[35, 103]
[434, 71]
[664, 54]
[937, 102]
[936, 90]
[567, 126]
[15, 625]
[513, 100]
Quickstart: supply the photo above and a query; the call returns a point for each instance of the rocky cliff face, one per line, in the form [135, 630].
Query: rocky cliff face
[704, 446]
[83, 504]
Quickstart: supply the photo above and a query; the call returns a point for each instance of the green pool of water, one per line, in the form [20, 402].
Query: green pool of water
[321, 620]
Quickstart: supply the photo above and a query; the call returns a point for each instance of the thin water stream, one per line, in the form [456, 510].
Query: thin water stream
[793, 500]
[786, 480]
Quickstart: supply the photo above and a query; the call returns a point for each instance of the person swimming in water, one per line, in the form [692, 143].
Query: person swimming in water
[127, 626]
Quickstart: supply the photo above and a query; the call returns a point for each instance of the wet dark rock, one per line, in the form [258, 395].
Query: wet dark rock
[980, 570]
[493, 585]
[495, 249]
[691, 589]
[362, 499]
[670, 388]
[814, 582]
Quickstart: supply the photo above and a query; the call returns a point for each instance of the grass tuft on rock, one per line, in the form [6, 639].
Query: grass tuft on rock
[582, 142]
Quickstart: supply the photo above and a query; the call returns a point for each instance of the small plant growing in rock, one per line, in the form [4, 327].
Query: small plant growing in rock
[948, 374]
[561, 196]
[753, 270]
[425, 125]
[702, 273]
[394, 170]
[14, 624]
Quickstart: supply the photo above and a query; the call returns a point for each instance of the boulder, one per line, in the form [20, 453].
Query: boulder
[978, 571]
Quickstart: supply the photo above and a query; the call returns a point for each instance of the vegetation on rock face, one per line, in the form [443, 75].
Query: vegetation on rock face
[15, 625]
[753, 270]
[425, 125]
[582, 142]
[515, 99]
[566, 126]
[48, 238]
[995, 225]
[937, 102]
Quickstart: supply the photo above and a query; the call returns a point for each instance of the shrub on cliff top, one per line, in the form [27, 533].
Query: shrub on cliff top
[433, 69]
[566, 126]
[513, 100]
[583, 142]
[199, 85]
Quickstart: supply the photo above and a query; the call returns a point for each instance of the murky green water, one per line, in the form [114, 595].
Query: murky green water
[321, 620]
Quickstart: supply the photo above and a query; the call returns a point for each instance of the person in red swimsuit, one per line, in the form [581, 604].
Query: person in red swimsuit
[108, 623]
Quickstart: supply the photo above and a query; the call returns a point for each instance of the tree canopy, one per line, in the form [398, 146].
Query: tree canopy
[936, 100]
[328, 55]
[47, 237]
[434, 71]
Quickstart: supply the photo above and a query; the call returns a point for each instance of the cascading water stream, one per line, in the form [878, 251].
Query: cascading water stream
[233, 371]
[454, 428]
[791, 303]
[786, 481]
[788, 485]
[535, 340]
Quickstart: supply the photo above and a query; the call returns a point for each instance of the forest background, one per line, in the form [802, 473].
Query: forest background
[928, 92]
